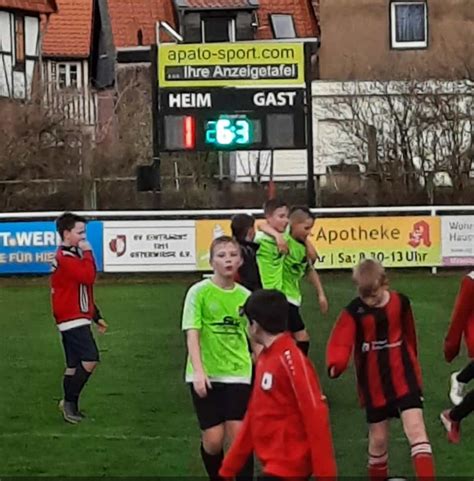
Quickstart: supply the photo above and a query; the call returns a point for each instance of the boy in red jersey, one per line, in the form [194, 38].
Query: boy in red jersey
[72, 298]
[378, 326]
[462, 324]
[287, 420]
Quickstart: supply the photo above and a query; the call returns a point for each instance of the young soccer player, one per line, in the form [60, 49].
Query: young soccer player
[72, 295]
[219, 366]
[296, 265]
[378, 326]
[243, 231]
[462, 323]
[287, 421]
[272, 248]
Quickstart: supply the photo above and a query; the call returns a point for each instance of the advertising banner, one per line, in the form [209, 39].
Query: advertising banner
[457, 240]
[394, 241]
[231, 64]
[144, 246]
[342, 243]
[29, 247]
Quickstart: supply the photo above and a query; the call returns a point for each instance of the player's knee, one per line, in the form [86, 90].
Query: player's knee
[212, 444]
[378, 441]
[302, 336]
[89, 366]
[415, 431]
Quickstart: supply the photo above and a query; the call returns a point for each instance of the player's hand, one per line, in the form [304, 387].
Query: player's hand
[323, 303]
[201, 384]
[450, 351]
[84, 245]
[102, 326]
[281, 244]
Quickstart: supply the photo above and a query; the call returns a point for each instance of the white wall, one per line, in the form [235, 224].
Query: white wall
[17, 84]
[333, 144]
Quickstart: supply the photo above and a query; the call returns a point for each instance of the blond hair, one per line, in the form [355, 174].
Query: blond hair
[369, 276]
[225, 239]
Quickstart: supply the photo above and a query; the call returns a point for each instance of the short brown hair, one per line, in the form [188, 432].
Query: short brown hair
[300, 213]
[272, 205]
[68, 221]
[224, 239]
[369, 275]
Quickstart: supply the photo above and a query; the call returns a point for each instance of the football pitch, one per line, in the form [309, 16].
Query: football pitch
[140, 420]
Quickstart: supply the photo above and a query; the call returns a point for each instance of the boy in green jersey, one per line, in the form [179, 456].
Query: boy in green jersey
[285, 271]
[297, 264]
[219, 365]
[272, 245]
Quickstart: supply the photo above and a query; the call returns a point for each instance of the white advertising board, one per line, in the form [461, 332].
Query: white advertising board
[147, 246]
[457, 240]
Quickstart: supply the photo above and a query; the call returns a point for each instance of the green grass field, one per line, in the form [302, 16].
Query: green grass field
[140, 419]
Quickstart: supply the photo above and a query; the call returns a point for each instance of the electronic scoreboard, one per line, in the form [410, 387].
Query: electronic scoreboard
[232, 119]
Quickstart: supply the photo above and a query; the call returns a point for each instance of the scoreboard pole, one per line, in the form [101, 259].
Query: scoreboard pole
[310, 185]
[155, 99]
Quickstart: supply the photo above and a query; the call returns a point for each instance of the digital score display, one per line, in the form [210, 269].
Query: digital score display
[232, 132]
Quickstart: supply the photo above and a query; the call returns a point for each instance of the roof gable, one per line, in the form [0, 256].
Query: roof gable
[36, 6]
[69, 32]
[133, 21]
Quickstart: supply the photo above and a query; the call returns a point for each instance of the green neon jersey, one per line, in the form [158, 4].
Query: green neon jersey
[295, 266]
[269, 261]
[215, 313]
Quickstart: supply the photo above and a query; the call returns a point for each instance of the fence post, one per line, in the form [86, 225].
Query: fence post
[88, 197]
[434, 270]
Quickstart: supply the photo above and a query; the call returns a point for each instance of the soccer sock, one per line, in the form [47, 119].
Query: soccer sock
[378, 467]
[212, 463]
[303, 346]
[78, 382]
[246, 474]
[466, 374]
[67, 388]
[422, 458]
[458, 413]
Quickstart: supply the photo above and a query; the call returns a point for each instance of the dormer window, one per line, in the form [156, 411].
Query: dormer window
[217, 29]
[283, 25]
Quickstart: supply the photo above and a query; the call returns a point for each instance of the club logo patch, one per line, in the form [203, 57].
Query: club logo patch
[267, 381]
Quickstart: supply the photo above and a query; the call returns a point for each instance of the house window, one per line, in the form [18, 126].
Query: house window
[218, 29]
[19, 43]
[283, 26]
[67, 75]
[409, 25]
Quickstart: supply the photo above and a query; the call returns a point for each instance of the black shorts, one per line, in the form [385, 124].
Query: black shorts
[79, 345]
[224, 402]
[393, 410]
[295, 321]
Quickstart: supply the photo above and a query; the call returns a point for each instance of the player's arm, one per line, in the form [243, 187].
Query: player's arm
[310, 250]
[99, 320]
[278, 236]
[191, 324]
[314, 413]
[463, 308]
[409, 323]
[340, 345]
[82, 270]
[239, 451]
[314, 279]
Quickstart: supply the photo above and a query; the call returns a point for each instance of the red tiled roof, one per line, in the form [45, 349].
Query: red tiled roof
[69, 32]
[303, 16]
[217, 3]
[38, 6]
[130, 16]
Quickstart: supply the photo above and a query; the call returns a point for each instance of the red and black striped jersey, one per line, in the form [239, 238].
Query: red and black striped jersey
[462, 321]
[72, 293]
[385, 351]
